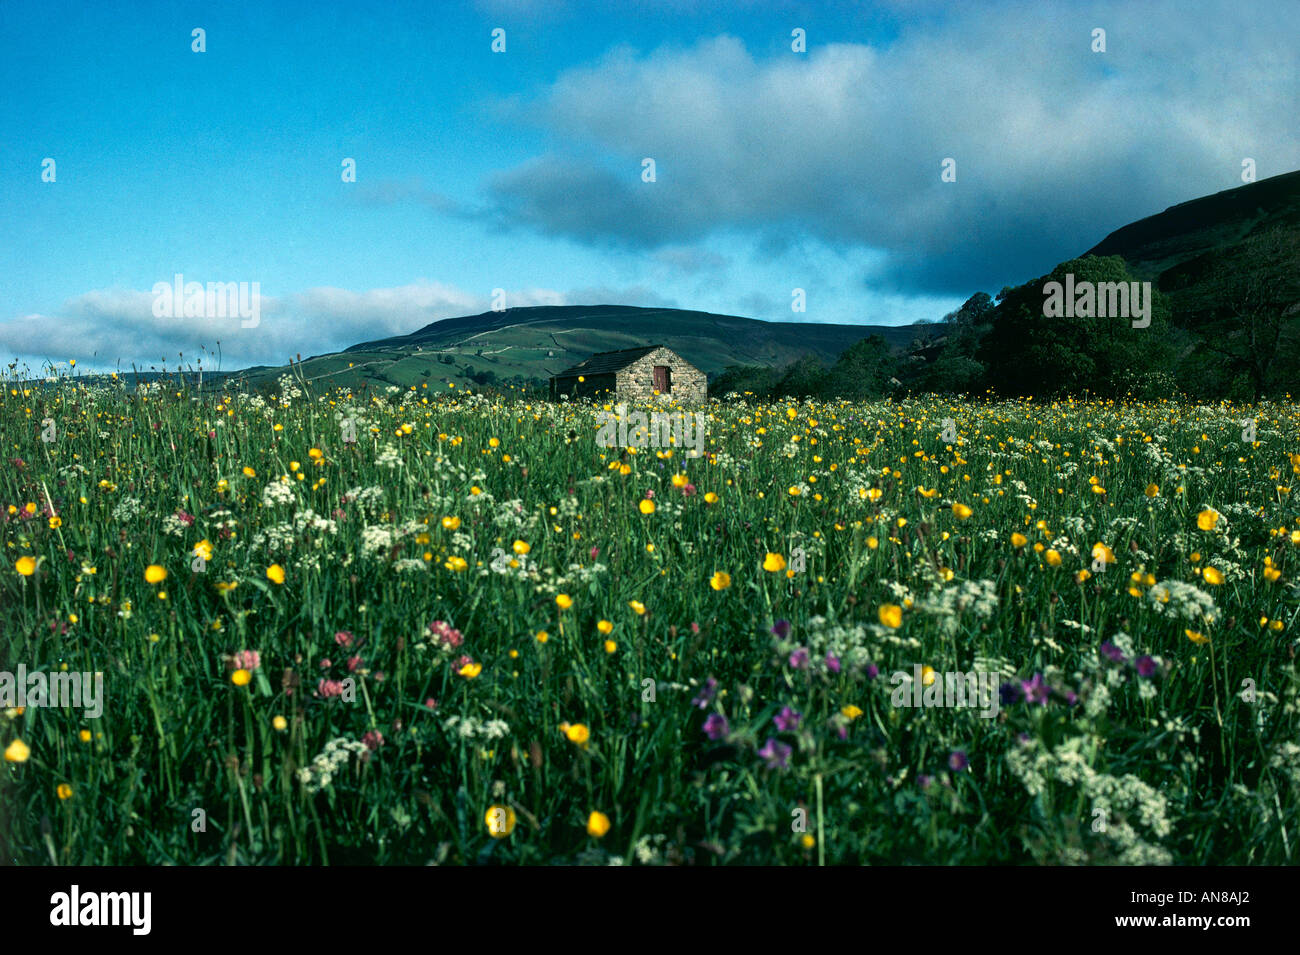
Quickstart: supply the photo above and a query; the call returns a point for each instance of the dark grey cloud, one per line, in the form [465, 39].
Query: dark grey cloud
[561, 197]
[690, 259]
[1055, 145]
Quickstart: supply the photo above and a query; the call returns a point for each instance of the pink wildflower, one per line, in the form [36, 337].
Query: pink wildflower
[446, 634]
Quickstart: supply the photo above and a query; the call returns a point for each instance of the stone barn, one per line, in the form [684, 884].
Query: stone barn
[633, 374]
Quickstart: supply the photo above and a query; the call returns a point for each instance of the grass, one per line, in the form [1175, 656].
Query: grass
[1139, 741]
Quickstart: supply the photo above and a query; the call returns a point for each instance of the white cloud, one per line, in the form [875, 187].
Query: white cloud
[104, 327]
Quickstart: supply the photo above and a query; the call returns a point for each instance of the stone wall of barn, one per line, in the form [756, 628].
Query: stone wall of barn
[637, 380]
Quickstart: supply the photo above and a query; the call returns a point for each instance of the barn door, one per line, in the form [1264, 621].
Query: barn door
[663, 379]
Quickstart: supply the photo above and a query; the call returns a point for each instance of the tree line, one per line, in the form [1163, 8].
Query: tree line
[1227, 326]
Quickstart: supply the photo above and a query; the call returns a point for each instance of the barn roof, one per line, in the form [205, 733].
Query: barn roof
[606, 362]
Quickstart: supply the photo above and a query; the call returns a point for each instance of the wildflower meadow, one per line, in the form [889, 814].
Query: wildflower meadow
[431, 626]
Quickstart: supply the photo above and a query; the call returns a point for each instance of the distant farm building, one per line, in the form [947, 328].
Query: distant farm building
[633, 374]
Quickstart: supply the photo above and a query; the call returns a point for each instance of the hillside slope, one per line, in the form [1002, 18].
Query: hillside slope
[1187, 249]
[530, 344]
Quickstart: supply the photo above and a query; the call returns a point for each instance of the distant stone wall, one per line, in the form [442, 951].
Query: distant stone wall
[637, 381]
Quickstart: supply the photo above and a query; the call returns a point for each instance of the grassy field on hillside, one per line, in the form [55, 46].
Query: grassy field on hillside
[473, 635]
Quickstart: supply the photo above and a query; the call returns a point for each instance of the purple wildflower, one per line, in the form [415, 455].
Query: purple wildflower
[1010, 693]
[957, 761]
[924, 781]
[709, 691]
[775, 753]
[1112, 652]
[832, 663]
[873, 671]
[799, 659]
[715, 727]
[1145, 665]
[787, 721]
[1036, 689]
[781, 628]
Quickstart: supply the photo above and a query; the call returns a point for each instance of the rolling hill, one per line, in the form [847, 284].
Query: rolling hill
[530, 344]
[1158, 243]
[1182, 248]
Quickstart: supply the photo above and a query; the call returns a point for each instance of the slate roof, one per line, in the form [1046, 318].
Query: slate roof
[608, 362]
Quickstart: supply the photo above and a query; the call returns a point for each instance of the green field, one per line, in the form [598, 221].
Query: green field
[481, 637]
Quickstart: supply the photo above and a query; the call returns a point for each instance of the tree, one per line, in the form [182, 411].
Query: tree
[862, 371]
[802, 379]
[1029, 353]
[977, 310]
[953, 367]
[1255, 318]
[758, 379]
[953, 373]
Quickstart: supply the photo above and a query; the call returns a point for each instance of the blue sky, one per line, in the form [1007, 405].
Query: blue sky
[522, 170]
